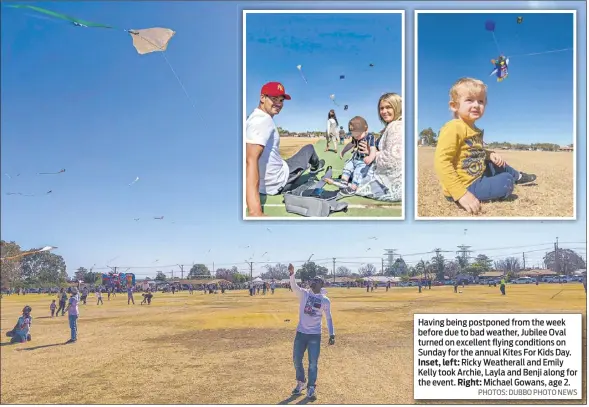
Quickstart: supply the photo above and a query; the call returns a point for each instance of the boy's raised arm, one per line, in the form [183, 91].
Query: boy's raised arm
[446, 150]
[293, 283]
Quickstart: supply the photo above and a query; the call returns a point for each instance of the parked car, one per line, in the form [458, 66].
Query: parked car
[524, 280]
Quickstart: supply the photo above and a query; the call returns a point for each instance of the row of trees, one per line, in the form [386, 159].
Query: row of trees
[47, 269]
[428, 137]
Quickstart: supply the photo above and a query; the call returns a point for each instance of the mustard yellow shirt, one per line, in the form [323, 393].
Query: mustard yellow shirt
[460, 157]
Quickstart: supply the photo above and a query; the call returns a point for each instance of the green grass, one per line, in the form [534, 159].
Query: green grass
[359, 206]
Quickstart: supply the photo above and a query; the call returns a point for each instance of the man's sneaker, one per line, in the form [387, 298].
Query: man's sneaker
[311, 394]
[525, 178]
[299, 389]
[347, 191]
[70, 341]
[318, 168]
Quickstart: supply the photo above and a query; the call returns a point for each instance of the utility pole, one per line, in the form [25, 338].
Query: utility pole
[463, 252]
[382, 266]
[524, 257]
[251, 264]
[181, 270]
[556, 265]
[334, 270]
[390, 254]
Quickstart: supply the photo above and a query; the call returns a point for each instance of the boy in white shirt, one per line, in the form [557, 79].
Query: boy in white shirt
[266, 172]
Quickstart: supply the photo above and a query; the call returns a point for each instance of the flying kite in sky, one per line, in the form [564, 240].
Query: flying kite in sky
[51, 173]
[158, 218]
[300, 68]
[144, 40]
[346, 107]
[501, 64]
[21, 194]
[332, 97]
[136, 179]
[342, 76]
[44, 249]
[501, 68]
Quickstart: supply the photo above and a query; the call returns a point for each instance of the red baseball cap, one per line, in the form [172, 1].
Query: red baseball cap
[274, 89]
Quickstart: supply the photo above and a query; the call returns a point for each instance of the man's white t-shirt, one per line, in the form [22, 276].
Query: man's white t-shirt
[261, 130]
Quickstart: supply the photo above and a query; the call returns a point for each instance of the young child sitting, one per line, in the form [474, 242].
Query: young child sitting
[22, 330]
[467, 171]
[358, 166]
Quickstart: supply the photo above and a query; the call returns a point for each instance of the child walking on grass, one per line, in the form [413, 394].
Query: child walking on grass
[469, 173]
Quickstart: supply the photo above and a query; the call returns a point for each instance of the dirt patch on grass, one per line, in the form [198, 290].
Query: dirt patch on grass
[550, 196]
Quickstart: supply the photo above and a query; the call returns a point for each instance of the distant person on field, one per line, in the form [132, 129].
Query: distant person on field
[73, 314]
[62, 300]
[266, 172]
[52, 307]
[342, 134]
[331, 134]
[468, 172]
[130, 295]
[313, 303]
[98, 293]
[502, 286]
[22, 330]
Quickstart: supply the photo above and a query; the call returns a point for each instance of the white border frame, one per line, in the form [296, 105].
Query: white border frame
[244, 113]
[416, 99]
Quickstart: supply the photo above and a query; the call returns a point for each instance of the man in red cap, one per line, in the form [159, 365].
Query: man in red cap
[266, 172]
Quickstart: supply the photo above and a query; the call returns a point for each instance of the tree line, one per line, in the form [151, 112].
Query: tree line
[428, 137]
[47, 269]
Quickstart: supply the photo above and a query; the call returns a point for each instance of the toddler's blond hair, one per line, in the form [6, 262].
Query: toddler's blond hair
[468, 86]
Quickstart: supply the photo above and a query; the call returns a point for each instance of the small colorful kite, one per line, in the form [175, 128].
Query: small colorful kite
[501, 68]
[136, 179]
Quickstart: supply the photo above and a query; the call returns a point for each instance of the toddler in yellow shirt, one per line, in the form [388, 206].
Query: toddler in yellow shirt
[467, 171]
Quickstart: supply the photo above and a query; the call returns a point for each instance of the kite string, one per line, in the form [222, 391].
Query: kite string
[496, 43]
[541, 53]
[163, 53]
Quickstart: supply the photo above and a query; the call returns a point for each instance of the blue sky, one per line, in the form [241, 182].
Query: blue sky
[84, 100]
[327, 46]
[534, 104]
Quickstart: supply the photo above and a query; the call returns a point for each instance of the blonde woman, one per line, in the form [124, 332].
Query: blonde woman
[385, 181]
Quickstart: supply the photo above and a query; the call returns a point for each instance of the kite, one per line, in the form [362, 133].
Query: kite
[332, 97]
[145, 40]
[136, 219]
[21, 194]
[501, 68]
[158, 218]
[371, 65]
[44, 249]
[51, 173]
[346, 107]
[136, 179]
[520, 20]
[300, 68]
[342, 76]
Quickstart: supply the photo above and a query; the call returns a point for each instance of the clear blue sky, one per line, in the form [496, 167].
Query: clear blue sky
[327, 46]
[83, 100]
[534, 104]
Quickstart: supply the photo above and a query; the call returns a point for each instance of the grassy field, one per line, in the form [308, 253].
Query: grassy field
[235, 349]
[358, 206]
[550, 196]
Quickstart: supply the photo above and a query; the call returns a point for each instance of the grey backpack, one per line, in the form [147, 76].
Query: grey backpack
[310, 200]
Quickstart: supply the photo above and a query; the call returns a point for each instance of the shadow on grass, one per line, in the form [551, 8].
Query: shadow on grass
[41, 346]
